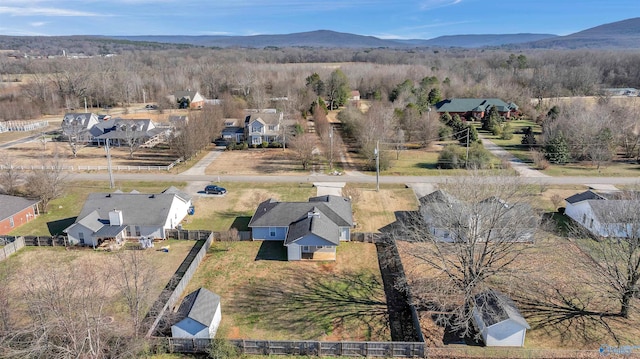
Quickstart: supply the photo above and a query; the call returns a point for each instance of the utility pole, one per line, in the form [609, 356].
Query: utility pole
[377, 153]
[111, 184]
[467, 161]
[85, 105]
[331, 149]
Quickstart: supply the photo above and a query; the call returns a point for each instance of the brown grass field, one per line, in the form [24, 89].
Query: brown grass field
[40, 259]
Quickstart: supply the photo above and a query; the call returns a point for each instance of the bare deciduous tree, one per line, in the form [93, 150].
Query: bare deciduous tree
[304, 147]
[46, 183]
[134, 280]
[10, 176]
[465, 234]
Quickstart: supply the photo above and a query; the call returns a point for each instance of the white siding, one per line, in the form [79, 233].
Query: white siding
[294, 252]
[505, 334]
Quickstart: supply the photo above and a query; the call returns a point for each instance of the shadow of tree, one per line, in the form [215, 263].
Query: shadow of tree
[316, 304]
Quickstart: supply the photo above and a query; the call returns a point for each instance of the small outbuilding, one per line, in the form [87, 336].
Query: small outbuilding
[498, 320]
[201, 313]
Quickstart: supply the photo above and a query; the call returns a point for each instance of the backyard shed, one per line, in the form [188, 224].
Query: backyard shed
[201, 315]
[498, 320]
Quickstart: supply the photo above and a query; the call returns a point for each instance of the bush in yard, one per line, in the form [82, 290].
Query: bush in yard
[222, 349]
[451, 157]
[479, 157]
[264, 144]
[507, 131]
[539, 160]
[444, 133]
[275, 144]
[556, 150]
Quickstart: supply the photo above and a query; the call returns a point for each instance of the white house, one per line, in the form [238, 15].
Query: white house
[263, 127]
[605, 214]
[120, 215]
[493, 218]
[309, 230]
[201, 313]
[498, 320]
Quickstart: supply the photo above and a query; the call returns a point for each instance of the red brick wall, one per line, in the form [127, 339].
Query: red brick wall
[19, 218]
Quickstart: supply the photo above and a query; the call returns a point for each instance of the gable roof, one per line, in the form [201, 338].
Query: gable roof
[181, 194]
[495, 307]
[200, 305]
[10, 205]
[186, 94]
[265, 118]
[473, 104]
[141, 209]
[315, 222]
[272, 213]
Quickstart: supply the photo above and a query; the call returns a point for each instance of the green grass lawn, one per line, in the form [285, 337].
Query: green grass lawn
[266, 297]
[422, 163]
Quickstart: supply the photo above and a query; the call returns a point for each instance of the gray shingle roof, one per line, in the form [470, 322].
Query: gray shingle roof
[200, 305]
[496, 307]
[271, 213]
[137, 208]
[92, 221]
[318, 224]
[10, 205]
[183, 195]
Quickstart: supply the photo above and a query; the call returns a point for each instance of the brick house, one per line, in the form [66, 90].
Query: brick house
[16, 211]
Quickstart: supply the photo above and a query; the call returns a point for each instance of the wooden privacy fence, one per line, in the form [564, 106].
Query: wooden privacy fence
[190, 235]
[315, 348]
[10, 247]
[178, 283]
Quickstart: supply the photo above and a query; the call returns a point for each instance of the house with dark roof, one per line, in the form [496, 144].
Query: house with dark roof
[492, 218]
[120, 131]
[201, 314]
[612, 214]
[498, 320]
[309, 230]
[475, 108]
[117, 216]
[16, 211]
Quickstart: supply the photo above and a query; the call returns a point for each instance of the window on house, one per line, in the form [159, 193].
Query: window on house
[272, 127]
[137, 230]
[272, 231]
[584, 218]
[81, 237]
[11, 222]
[305, 248]
[591, 223]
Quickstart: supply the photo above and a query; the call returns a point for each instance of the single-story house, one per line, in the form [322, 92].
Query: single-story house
[498, 320]
[193, 98]
[121, 215]
[475, 108]
[516, 222]
[201, 313]
[613, 214]
[354, 96]
[309, 230]
[16, 211]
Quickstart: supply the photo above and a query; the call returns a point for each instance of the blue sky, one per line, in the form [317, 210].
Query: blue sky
[423, 19]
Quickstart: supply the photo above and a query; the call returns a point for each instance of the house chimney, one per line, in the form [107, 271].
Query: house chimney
[115, 217]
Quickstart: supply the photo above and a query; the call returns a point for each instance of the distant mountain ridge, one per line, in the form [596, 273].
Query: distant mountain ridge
[623, 34]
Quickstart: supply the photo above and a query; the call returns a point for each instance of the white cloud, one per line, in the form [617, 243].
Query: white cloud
[37, 23]
[42, 11]
[434, 4]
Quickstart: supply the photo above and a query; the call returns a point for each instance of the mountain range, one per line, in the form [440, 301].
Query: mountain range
[623, 34]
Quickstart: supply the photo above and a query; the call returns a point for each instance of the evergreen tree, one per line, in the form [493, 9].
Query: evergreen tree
[556, 150]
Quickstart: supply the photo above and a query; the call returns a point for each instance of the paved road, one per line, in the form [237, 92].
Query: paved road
[348, 179]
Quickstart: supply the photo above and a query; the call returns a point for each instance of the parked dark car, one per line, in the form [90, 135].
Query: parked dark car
[213, 189]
